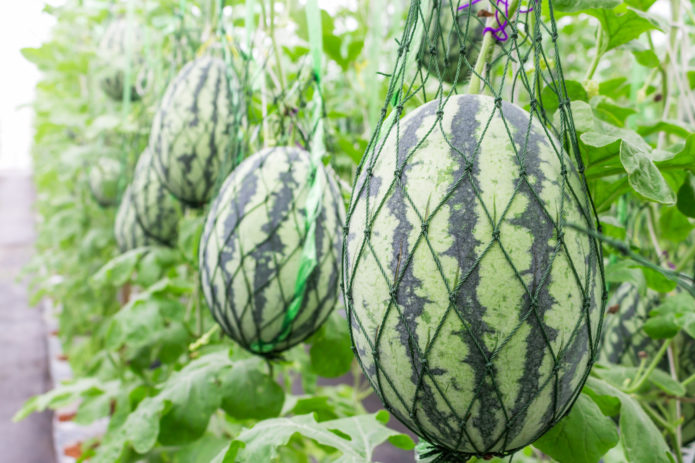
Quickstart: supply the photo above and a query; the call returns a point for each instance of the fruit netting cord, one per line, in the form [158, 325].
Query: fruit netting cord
[308, 259]
[400, 92]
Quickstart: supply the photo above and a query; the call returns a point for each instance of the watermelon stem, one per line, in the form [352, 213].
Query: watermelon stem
[639, 382]
[486, 48]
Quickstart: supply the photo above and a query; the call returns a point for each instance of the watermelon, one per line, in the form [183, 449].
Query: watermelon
[252, 245]
[114, 56]
[192, 129]
[156, 210]
[129, 233]
[475, 323]
[624, 340]
[104, 180]
[448, 32]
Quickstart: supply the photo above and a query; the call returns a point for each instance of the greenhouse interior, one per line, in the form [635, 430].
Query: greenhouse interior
[254, 231]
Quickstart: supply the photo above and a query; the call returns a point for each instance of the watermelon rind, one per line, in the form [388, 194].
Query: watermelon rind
[252, 245]
[472, 316]
[191, 132]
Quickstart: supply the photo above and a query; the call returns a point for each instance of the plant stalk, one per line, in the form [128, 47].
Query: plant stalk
[486, 49]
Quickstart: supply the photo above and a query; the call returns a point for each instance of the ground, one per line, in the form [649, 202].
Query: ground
[24, 363]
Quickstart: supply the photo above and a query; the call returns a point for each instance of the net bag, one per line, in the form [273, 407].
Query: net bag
[474, 310]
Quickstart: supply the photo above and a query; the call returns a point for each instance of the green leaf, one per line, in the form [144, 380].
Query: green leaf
[119, 270]
[331, 350]
[673, 225]
[642, 5]
[250, 393]
[583, 116]
[619, 29]
[682, 156]
[643, 175]
[666, 383]
[571, 6]
[575, 92]
[583, 436]
[639, 436]
[355, 438]
[62, 395]
[192, 395]
[686, 197]
[662, 326]
[611, 112]
[657, 281]
[624, 271]
[647, 58]
[676, 128]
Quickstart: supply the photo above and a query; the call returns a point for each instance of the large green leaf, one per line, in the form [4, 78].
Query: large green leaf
[355, 438]
[619, 29]
[639, 436]
[249, 393]
[579, 5]
[644, 176]
[583, 436]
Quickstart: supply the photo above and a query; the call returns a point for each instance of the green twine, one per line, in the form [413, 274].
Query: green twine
[312, 206]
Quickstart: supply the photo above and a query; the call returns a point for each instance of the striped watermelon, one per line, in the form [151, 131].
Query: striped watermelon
[113, 53]
[156, 210]
[252, 244]
[104, 178]
[445, 37]
[191, 130]
[624, 339]
[129, 233]
[470, 318]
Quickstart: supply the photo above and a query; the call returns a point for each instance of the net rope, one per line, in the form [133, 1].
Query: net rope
[517, 58]
[285, 123]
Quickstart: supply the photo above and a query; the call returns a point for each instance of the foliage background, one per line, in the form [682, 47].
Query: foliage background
[138, 336]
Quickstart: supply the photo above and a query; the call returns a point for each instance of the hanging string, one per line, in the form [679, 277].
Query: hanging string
[308, 260]
[499, 32]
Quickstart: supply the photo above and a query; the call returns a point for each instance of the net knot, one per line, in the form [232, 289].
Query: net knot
[522, 172]
[440, 114]
[560, 236]
[367, 232]
[468, 168]
[496, 234]
[393, 292]
[533, 104]
[424, 227]
[398, 173]
[345, 229]
[462, 50]
[554, 36]
[498, 102]
[563, 171]
[433, 51]
[399, 109]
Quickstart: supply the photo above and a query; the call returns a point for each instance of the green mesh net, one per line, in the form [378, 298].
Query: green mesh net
[269, 254]
[475, 300]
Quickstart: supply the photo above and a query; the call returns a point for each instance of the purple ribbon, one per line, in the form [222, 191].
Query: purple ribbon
[499, 32]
